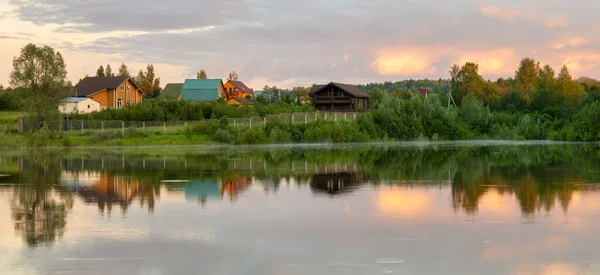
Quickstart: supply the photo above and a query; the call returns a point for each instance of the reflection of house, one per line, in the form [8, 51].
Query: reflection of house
[335, 183]
[201, 190]
[339, 98]
[103, 189]
[234, 186]
[111, 92]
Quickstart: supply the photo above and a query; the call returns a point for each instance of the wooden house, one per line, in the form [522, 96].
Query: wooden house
[202, 90]
[337, 97]
[237, 89]
[110, 92]
[240, 101]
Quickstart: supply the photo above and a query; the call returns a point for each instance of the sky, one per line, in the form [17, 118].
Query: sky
[298, 43]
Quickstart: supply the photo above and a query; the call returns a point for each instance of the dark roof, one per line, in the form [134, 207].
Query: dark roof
[351, 89]
[241, 86]
[244, 101]
[172, 90]
[91, 85]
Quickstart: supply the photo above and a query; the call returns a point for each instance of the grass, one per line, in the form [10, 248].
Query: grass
[10, 117]
[15, 140]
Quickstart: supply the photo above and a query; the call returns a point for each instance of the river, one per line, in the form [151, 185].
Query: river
[391, 208]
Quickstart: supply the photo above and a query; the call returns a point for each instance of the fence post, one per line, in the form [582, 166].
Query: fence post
[123, 127]
[82, 127]
[325, 116]
[144, 126]
[316, 116]
[354, 115]
[305, 118]
[292, 118]
[185, 125]
[234, 122]
[335, 116]
[102, 126]
[164, 128]
[345, 117]
[250, 122]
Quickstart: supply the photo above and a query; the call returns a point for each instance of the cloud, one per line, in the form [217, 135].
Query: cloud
[311, 41]
[494, 62]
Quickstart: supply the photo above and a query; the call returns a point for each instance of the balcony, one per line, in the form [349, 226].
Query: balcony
[332, 100]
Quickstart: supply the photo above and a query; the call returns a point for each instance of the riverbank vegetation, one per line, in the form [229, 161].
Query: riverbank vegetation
[535, 104]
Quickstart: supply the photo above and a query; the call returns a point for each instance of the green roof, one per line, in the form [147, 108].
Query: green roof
[201, 89]
[172, 90]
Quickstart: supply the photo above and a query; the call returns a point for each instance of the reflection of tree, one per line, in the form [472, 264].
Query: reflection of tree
[534, 189]
[39, 206]
[337, 183]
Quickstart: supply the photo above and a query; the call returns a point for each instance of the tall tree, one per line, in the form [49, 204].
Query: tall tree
[465, 80]
[201, 74]
[100, 72]
[42, 72]
[123, 71]
[108, 72]
[148, 82]
[232, 76]
[567, 85]
[526, 76]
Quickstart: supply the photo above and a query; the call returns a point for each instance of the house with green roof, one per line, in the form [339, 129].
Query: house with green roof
[172, 91]
[202, 90]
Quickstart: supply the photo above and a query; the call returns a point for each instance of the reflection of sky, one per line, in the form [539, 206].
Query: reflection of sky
[373, 230]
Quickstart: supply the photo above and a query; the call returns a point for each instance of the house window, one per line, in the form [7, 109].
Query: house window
[119, 103]
[122, 88]
[88, 106]
[128, 88]
[131, 102]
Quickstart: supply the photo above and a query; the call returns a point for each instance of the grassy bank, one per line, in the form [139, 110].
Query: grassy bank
[17, 140]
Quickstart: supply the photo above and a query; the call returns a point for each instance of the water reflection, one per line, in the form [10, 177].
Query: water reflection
[539, 178]
[39, 205]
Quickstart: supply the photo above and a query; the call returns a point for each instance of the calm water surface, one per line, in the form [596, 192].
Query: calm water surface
[368, 209]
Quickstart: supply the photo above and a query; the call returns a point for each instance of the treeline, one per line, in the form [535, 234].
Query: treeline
[404, 86]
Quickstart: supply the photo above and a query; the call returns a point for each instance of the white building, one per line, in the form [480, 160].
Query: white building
[78, 105]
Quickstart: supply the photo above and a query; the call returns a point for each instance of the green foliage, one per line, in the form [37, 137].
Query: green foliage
[473, 113]
[105, 136]
[42, 137]
[41, 73]
[201, 74]
[465, 80]
[148, 82]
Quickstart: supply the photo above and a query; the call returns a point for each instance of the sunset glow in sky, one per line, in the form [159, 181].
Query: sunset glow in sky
[297, 43]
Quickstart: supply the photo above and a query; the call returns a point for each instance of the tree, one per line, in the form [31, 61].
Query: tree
[123, 71]
[526, 76]
[100, 72]
[42, 73]
[569, 87]
[108, 72]
[466, 79]
[148, 82]
[201, 74]
[232, 76]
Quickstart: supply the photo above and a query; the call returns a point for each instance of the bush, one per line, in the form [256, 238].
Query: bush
[41, 137]
[277, 135]
[105, 136]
